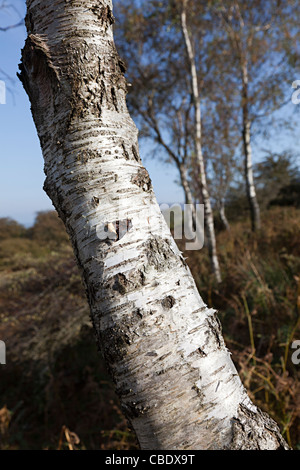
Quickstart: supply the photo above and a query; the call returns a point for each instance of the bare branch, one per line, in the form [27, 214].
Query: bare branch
[12, 26]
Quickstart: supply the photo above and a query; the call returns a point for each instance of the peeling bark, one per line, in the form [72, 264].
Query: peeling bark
[173, 373]
[249, 432]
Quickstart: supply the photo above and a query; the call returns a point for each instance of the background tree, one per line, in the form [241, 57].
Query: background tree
[260, 42]
[273, 173]
[220, 147]
[185, 14]
[277, 180]
[164, 348]
[166, 79]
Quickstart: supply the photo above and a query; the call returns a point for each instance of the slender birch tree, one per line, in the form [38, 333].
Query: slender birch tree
[167, 85]
[158, 98]
[208, 213]
[261, 38]
[177, 384]
[222, 143]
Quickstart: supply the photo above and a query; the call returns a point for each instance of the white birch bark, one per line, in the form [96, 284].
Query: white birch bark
[177, 384]
[249, 178]
[208, 213]
[223, 216]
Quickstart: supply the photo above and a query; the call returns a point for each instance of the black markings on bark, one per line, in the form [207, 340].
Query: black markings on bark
[114, 231]
[168, 302]
[95, 201]
[214, 326]
[152, 354]
[127, 283]
[29, 22]
[85, 155]
[138, 312]
[114, 344]
[142, 179]
[121, 283]
[198, 352]
[133, 409]
[92, 291]
[99, 109]
[100, 69]
[201, 352]
[125, 153]
[104, 14]
[103, 94]
[114, 98]
[122, 65]
[199, 392]
[135, 154]
[164, 356]
[159, 254]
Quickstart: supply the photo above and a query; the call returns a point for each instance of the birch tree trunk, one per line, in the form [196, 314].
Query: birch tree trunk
[223, 216]
[177, 384]
[208, 213]
[249, 179]
[185, 184]
[179, 162]
[188, 196]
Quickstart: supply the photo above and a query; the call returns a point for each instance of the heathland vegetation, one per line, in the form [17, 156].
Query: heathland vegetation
[54, 391]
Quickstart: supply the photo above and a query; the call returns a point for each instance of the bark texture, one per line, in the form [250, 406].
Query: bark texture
[177, 384]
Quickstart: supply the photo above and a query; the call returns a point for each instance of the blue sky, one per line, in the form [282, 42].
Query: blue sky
[21, 175]
[21, 162]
